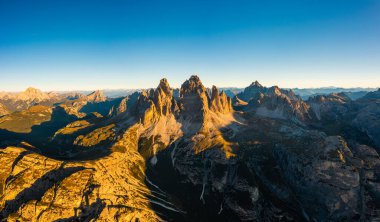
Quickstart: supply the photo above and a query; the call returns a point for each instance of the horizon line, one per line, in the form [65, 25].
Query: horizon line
[219, 87]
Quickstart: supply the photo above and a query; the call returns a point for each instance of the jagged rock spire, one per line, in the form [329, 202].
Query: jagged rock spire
[163, 98]
[96, 96]
[220, 102]
[192, 85]
[256, 84]
[194, 100]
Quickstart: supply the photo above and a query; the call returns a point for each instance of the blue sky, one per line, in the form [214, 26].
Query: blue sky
[68, 45]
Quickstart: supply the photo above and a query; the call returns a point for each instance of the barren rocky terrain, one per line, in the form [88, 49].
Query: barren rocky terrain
[189, 154]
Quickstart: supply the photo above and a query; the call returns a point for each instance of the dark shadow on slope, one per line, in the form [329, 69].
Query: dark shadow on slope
[165, 202]
[204, 202]
[40, 134]
[257, 140]
[174, 189]
[41, 138]
[37, 190]
[87, 213]
[100, 107]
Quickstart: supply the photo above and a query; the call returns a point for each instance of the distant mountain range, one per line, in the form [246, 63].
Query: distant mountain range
[305, 93]
[190, 154]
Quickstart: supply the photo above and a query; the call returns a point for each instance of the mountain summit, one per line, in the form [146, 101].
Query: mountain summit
[190, 155]
[32, 94]
[96, 96]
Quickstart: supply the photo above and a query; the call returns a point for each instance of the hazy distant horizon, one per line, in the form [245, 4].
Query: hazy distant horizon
[86, 45]
[90, 88]
[173, 87]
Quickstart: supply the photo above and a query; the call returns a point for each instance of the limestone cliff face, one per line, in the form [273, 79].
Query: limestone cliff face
[122, 107]
[96, 96]
[155, 104]
[24, 100]
[3, 110]
[280, 104]
[220, 102]
[162, 157]
[194, 101]
[163, 98]
[145, 108]
[119, 108]
[330, 106]
[32, 94]
[273, 102]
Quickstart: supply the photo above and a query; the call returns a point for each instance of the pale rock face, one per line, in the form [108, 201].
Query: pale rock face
[25, 99]
[120, 108]
[194, 99]
[161, 157]
[273, 102]
[280, 104]
[145, 108]
[96, 96]
[33, 94]
[123, 105]
[220, 102]
[3, 110]
[163, 98]
[238, 102]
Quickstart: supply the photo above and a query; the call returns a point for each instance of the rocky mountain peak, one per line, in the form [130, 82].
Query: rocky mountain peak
[32, 90]
[33, 94]
[214, 93]
[164, 86]
[163, 97]
[274, 90]
[256, 84]
[219, 101]
[194, 99]
[252, 91]
[96, 96]
[192, 85]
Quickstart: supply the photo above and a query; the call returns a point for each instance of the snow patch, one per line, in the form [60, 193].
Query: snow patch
[153, 160]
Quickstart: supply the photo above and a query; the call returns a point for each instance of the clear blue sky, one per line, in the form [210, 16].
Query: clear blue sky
[65, 45]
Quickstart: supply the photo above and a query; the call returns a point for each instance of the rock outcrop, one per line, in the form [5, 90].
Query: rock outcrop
[331, 106]
[219, 102]
[32, 94]
[279, 104]
[193, 99]
[251, 91]
[158, 156]
[3, 110]
[96, 96]
[163, 98]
